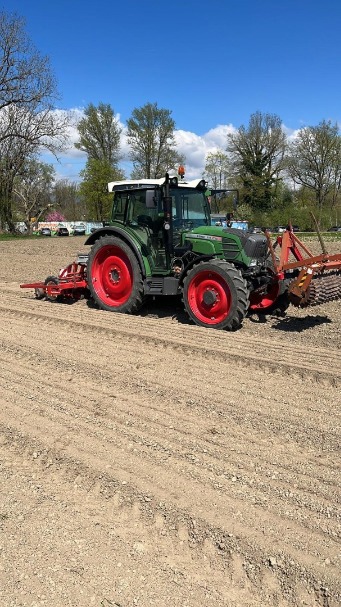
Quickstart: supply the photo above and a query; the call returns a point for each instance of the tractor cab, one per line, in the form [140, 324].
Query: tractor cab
[159, 212]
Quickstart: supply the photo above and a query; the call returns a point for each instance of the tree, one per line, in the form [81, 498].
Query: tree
[55, 216]
[28, 121]
[32, 190]
[68, 201]
[100, 132]
[217, 171]
[258, 155]
[152, 143]
[94, 188]
[100, 138]
[25, 75]
[315, 161]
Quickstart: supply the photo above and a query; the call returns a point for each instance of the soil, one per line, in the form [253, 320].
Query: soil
[148, 462]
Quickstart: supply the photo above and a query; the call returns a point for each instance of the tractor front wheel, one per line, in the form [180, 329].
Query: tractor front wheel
[114, 276]
[215, 295]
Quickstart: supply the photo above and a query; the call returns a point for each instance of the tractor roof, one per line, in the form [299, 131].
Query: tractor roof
[145, 183]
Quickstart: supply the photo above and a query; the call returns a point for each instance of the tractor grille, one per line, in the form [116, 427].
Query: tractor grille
[256, 246]
[230, 248]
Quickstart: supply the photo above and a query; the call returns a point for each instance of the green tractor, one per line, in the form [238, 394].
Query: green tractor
[160, 242]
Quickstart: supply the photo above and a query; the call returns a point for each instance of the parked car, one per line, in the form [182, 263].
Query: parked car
[45, 232]
[279, 229]
[255, 230]
[79, 230]
[335, 229]
[62, 232]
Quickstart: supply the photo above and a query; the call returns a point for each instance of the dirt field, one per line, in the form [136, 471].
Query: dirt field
[149, 462]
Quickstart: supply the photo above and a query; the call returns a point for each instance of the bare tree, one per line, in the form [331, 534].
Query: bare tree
[25, 75]
[32, 191]
[67, 199]
[217, 169]
[28, 120]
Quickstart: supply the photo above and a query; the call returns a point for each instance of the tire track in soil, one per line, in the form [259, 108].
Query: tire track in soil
[321, 364]
[96, 434]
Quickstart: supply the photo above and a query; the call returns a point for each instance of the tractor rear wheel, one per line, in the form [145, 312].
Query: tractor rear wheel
[114, 276]
[215, 295]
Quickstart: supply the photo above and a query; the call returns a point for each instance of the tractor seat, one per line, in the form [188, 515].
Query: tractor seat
[145, 221]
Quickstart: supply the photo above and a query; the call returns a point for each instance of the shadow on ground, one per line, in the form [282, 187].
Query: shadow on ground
[297, 325]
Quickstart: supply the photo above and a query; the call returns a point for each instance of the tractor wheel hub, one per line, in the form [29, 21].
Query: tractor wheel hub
[209, 297]
[115, 276]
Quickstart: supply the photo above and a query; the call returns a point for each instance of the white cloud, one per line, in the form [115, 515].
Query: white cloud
[193, 147]
[196, 147]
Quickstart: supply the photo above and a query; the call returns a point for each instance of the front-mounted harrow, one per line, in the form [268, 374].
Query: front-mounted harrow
[317, 277]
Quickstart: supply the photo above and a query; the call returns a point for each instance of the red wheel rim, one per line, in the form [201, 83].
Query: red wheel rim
[210, 285]
[112, 275]
[262, 301]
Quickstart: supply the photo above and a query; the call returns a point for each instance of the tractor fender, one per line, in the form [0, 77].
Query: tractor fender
[120, 233]
[190, 265]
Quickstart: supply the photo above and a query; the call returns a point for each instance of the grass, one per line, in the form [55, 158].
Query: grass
[6, 236]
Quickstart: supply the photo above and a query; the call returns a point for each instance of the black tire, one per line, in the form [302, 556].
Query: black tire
[52, 280]
[215, 295]
[114, 276]
[280, 306]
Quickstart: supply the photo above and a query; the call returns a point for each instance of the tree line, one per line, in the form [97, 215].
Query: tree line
[276, 177]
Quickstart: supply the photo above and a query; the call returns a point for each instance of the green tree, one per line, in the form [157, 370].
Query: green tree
[94, 188]
[258, 157]
[315, 161]
[100, 133]
[152, 142]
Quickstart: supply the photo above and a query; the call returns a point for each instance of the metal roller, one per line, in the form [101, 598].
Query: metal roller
[323, 288]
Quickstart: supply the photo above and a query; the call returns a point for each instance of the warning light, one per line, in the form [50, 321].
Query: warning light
[181, 171]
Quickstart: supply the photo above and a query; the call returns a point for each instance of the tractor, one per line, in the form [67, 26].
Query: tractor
[159, 241]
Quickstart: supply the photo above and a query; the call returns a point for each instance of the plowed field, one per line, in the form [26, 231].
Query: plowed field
[149, 462]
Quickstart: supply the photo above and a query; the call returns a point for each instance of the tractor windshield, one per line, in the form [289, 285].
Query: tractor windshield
[189, 207]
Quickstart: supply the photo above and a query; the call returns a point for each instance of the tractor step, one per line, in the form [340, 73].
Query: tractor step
[82, 258]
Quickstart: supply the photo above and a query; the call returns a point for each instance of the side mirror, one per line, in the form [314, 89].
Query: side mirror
[151, 199]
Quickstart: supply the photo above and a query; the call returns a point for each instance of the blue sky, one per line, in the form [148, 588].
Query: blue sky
[212, 64]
